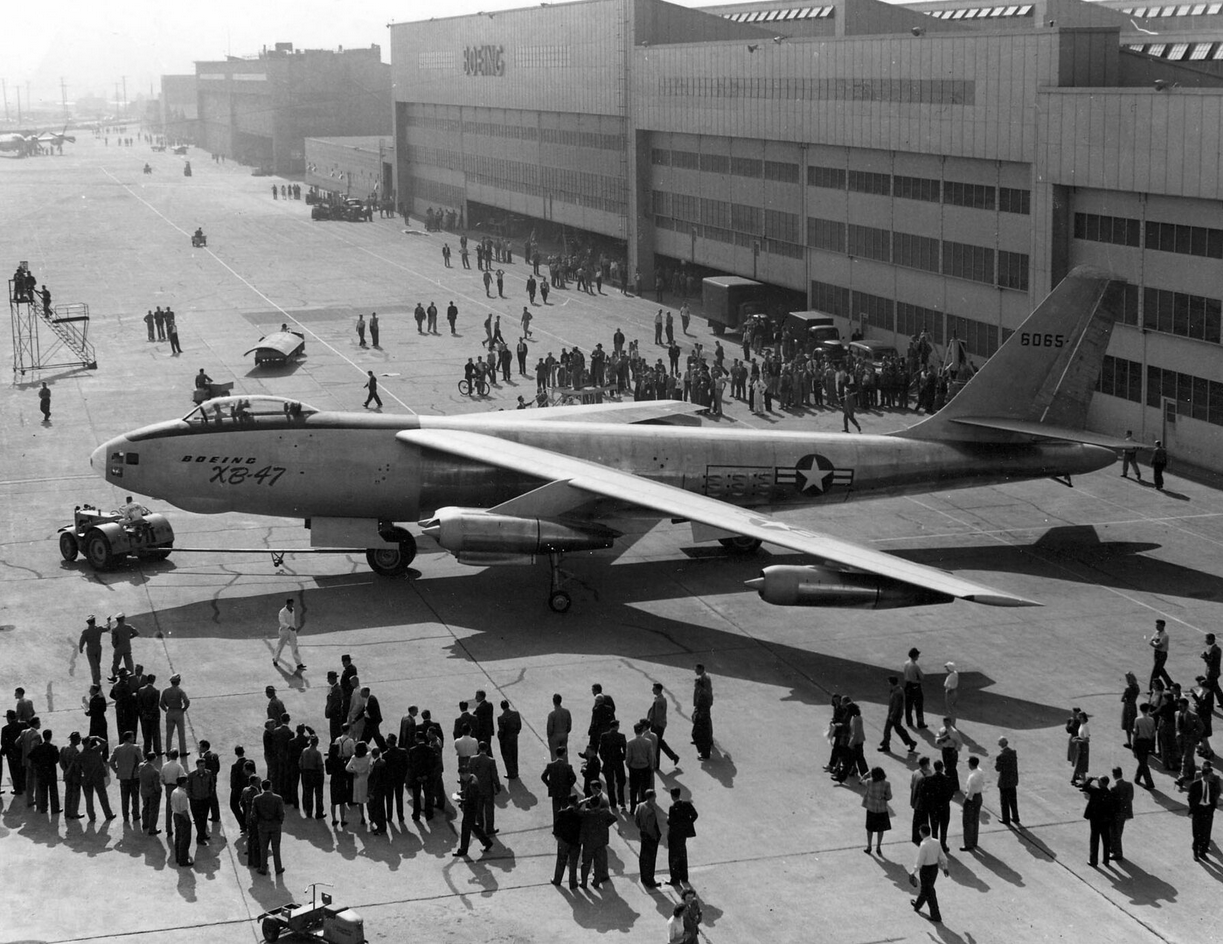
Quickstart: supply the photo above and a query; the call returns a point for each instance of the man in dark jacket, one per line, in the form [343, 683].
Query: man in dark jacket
[559, 778]
[396, 759]
[420, 772]
[488, 784]
[681, 820]
[148, 710]
[483, 728]
[509, 726]
[567, 828]
[44, 758]
[268, 814]
[596, 818]
[1007, 765]
[469, 802]
[1100, 813]
[612, 747]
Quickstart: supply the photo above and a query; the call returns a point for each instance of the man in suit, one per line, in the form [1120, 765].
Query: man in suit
[650, 821]
[488, 784]
[612, 747]
[333, 709]
[469, 802]
[373, 719]
[681, 820]
[1007, 765]
[268, 813]
[1203, 798]
[509, 726]
[420, 772]
[148, 710]
[1100, 814]
[465, 720]
[559, 778]
[483, 728]
[596, 818]
[567, 828]
[560, 723]
[1123, 803]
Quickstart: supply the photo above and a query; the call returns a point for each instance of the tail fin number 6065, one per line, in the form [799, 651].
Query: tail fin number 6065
[1033, 339]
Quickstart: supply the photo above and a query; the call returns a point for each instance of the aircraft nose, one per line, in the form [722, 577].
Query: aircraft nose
[100, 457]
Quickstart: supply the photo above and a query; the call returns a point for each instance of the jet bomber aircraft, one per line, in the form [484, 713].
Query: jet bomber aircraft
[500, 488]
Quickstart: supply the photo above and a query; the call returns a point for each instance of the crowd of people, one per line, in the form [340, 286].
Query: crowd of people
[355, 764]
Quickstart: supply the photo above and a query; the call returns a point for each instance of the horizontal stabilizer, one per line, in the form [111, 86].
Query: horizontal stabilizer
[1047, 431]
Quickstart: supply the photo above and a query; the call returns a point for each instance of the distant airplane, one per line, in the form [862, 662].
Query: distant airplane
[29, 143]
[501, 488]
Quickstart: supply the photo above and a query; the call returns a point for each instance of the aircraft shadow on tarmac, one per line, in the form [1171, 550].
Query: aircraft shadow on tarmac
[599, 625]
[1075, 552]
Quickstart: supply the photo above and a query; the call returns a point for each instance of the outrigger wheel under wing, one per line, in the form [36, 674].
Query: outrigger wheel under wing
[573, 482]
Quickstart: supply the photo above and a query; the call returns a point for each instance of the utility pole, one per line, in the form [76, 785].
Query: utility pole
[117, 112]
[125, 96]
[18, 103]
[4, 82]
[63, 94]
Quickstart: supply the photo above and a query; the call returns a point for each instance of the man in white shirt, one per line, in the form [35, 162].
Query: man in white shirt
[926, 865]
[288, 634]
[951, 688]
[974, 786]
[181, 806]
[465, 748]
[171, 770]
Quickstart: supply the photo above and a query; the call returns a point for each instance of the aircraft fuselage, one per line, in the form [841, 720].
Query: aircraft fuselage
[349, 465]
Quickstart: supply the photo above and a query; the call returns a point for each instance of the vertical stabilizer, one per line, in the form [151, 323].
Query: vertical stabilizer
[1045, 372]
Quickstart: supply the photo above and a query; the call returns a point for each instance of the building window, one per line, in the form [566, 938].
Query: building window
[915, 252]
[1196, 397]
[685, 207]
[865, 181]
[1188, 240]
[781, 171]
[1120, 378]
[911, 320]
[826, 234]
[781, 226]
[1013, 270]
[746, 167]
[974, 196]
[1011, 200]
[715, 163]
[1189, 316]
[870, 242]
[875, 310]
[660, 203]
[688, 160]
[1129, 305]
[831, 177]
[832, 299]
[978, 337]
[715, 213]
[746, 219]
[917, 188]
[964, 261]
[1119, 230]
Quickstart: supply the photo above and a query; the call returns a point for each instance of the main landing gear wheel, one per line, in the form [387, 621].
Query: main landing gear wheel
[392, 560]
[68, 547]
[97, 550]
[271, 930]
[740, 544]
[558, 600]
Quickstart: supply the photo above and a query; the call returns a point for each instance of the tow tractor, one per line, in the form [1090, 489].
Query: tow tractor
[107, 537]
[320, 920]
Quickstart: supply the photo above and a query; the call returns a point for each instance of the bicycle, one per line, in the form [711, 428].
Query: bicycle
[480, 386]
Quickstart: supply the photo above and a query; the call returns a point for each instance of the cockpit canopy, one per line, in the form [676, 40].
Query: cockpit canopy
[240, 410]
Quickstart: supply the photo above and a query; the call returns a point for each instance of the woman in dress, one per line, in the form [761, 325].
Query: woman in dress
[878, 819]
[1129, 707]
[359, 766]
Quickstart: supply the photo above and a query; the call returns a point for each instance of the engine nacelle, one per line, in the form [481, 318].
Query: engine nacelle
[469, 532]
[789, 585]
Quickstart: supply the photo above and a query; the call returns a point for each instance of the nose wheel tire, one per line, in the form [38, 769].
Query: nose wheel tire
[560, 602]
[68, 547]
[392, 560]
[271, 930]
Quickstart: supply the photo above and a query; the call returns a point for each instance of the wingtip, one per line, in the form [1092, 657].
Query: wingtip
[999, 599]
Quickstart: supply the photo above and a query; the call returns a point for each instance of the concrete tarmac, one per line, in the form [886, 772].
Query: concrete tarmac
[778, 854]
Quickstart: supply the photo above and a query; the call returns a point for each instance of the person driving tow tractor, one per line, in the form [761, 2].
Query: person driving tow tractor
[133, 514]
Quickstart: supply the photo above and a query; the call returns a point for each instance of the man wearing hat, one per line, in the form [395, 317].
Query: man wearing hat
[951, 688]
[1007, 765]
[915, 699]
[123, 695]
[276, 707]
[334, 709]
[174, 702]
[148, 710]
[121, 642]
[895, 719]
[91, 645]
[1159, 462]
[70, 768]
[288, 634]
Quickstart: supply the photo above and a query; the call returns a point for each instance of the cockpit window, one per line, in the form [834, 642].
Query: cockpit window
[227, 411]
[131, 458]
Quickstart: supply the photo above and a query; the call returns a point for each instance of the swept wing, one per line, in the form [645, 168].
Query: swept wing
[574, 482]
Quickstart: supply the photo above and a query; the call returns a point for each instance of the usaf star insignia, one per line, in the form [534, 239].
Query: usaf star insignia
[814, 473]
